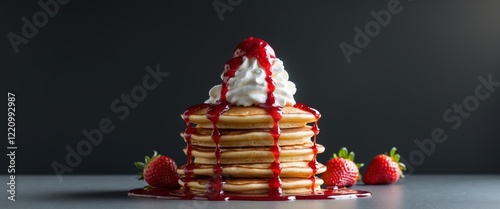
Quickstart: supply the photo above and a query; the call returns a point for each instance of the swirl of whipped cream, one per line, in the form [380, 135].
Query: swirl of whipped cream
[249, 87]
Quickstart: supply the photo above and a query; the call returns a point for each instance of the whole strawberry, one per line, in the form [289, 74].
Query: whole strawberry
[341, 171]
[159, 171]
[384, 169]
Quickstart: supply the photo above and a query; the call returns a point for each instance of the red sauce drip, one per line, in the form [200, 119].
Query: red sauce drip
[260, 50]
[214, 112]
[275, 182]
[188, 169]
[313, 164]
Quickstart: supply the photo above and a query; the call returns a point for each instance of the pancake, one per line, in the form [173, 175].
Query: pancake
[251, 137]
[291, 169]
[257, 186]
[253, 117]
[294, 153]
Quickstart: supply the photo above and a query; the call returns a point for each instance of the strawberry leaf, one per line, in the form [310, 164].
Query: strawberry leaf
[396, 158]
[402, 166]
[155, 155]
[359, 165]
[343, 152]
[393, 151]
[351, 156]
[140, 176]
[139, 165]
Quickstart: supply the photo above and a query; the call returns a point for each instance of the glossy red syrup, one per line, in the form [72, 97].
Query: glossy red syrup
[313, 164]
[188, 169]
[324, 194]
[260, 50]
[275, 182]
[215, 183]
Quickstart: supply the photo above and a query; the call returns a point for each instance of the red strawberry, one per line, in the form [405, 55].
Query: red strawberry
[159, 171]
[341, 171]
[384, 169]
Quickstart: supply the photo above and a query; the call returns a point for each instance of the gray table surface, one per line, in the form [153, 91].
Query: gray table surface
[415, 191]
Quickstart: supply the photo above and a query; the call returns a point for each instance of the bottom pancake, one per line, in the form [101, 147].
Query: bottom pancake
[257, 186]
[289, 169]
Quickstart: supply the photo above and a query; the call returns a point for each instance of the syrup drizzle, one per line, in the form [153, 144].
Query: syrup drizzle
[216, 183]
[313, 164]
[264, 54]
[260, 50]
[275, 182]
[189, 168]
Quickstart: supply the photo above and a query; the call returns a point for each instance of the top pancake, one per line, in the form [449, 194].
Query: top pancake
[253, 117]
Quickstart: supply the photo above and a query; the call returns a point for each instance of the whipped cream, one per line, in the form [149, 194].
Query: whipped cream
[249, 87]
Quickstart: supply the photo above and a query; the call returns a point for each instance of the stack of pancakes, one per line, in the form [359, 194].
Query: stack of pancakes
[246, 144]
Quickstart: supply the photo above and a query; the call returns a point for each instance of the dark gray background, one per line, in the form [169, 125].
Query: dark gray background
[395, 91]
